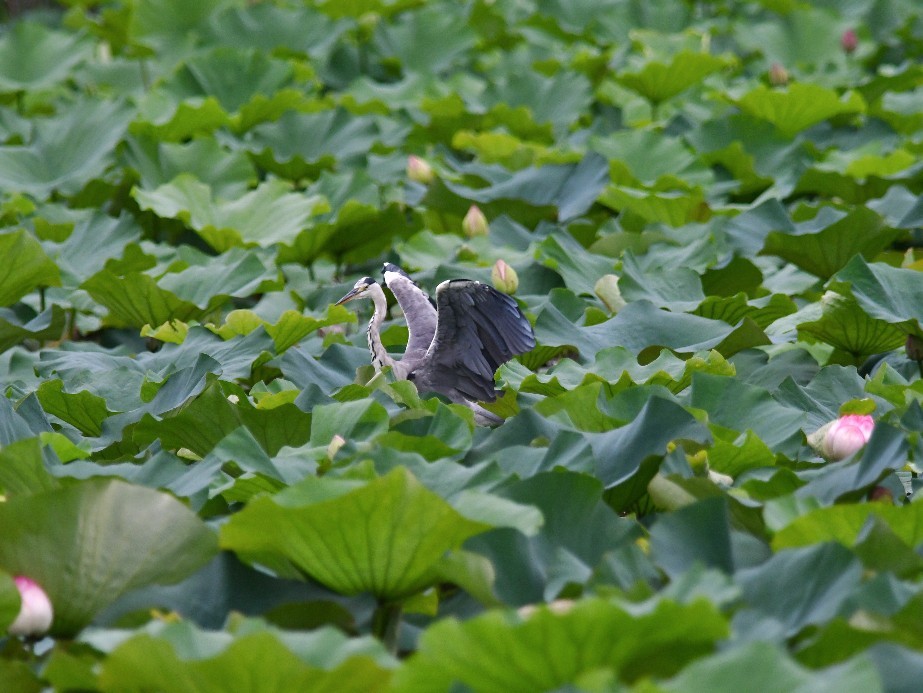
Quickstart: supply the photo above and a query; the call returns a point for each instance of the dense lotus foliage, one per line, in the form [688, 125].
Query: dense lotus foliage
[711, 212]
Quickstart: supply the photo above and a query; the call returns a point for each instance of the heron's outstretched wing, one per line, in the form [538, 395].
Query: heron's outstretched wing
[478, 329]
[419, 311]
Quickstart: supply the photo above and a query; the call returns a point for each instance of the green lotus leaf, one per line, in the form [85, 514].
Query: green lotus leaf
[182, 658]
[300, 145]
[393, 553]
[48, 325]
[845, 325]
[844, 524]
[83, 410]
[163, 119]
[32, 56]
[775, 589]
[646, 158]
[765, 665]
[9, 600]
[283, 29]
[673, 207]
[265, 216]
[741, 407]
[824, 245]
[93, 541]
[65, 151]
[659, 81]
[32, 268]
[799, 106]
[428, 41]
[95, 238]
[885, 293]
[551, 647]
[136, 299]
[22, 469]
[229, 174]
[640, 326]
[797, 36]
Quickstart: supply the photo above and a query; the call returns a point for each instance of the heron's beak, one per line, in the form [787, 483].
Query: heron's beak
[348, 297]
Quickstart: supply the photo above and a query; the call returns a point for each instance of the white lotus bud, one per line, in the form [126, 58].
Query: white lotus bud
[607, 290]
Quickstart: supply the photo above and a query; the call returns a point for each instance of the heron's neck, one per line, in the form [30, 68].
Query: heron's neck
[380, 357]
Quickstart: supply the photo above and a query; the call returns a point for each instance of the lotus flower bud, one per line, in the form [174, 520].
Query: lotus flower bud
[880, 494]
[475, 223]
[849, 41]
[607, 289]
[914, 348]
[841, 438]
[35, 613]
[504, 277]
[333, 448]
[778, 75]
[419, 171]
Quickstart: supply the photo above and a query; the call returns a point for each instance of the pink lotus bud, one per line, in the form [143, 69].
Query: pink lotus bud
[475, 223]
[778, 75]
[504, 277]
[419, 171]
[35, 612]
[849, 40]
[841, 438]
[881, 495]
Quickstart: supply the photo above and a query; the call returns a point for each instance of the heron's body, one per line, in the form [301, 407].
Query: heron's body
[456, 343]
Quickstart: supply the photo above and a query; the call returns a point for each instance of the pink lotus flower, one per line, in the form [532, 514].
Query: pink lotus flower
[35, 612]
[849, 41]
[841, 438]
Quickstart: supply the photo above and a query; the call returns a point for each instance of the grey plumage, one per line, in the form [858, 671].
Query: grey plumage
[456, 343]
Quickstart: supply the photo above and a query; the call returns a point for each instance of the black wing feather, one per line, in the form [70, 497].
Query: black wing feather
[478, 330]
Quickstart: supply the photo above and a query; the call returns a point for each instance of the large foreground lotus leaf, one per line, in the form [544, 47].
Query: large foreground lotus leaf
[92, 542]
[386, 537]
[32, 267]
[183, 659]
[503, 651]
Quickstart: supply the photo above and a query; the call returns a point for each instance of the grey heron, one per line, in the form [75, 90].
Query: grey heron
[455, 343]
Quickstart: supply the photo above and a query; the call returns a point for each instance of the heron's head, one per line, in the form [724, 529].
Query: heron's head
[360, 290]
